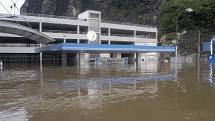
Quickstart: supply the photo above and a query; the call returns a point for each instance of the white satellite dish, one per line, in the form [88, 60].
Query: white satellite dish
[92, 36]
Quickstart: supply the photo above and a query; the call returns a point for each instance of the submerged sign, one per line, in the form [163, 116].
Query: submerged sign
[111, 60]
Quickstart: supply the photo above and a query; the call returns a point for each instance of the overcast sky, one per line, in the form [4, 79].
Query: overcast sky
[8, 3]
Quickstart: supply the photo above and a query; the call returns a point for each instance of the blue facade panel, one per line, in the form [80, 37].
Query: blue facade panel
[107, 48]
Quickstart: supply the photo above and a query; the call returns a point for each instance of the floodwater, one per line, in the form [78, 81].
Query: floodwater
[155, 92]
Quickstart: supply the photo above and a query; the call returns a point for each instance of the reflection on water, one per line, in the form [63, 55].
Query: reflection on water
[157, 92]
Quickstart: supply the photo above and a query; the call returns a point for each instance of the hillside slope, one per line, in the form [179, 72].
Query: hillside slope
[134, 11]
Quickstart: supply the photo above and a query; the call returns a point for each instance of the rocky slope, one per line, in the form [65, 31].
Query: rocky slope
[135, 11]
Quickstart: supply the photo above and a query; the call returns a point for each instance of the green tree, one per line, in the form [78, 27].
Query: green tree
[202, 18]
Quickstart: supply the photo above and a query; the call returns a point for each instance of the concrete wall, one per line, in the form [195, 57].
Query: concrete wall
[78, 22]
[67, 36]
[17, 49]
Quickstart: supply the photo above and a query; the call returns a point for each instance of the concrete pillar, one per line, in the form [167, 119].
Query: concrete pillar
[64, 59]
[41, 59]
[41, 27]
[83, 62]
[138, 60]
[135, 34]
[83, 59]
[78, 32]
[109, 42]
[41, 54]
[156, 36]
[109, 35]
[119, 55]
[64, 39]
[109, 32]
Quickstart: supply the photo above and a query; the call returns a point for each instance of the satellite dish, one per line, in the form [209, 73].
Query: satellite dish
[92, 36]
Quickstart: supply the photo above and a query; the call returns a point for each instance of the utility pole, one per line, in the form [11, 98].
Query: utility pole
[176, 32]
[199, 44]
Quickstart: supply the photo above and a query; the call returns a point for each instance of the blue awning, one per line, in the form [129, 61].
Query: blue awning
[105, 48]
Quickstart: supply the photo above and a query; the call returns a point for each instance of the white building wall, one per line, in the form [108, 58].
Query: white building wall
[65, 35]
[79, 22]
[17, 49]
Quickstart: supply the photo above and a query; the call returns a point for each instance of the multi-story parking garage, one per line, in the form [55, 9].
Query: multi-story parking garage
[16, 45]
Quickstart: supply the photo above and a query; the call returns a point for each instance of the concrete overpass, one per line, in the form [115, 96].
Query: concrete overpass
[27, 32]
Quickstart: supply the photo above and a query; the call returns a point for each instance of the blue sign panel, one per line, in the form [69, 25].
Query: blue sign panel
[213, 38]
[206, 46]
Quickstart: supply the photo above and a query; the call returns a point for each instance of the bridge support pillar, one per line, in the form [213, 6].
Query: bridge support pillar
[64, 59]
[138, 61]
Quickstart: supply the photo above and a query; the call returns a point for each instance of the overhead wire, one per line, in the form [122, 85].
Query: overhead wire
[21, 14]
[7, 11]
[4, 7]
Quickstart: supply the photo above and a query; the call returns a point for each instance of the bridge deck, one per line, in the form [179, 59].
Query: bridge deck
[103, 48]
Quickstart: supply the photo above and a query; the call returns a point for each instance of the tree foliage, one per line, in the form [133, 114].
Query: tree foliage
[202, 18]
[203, 15]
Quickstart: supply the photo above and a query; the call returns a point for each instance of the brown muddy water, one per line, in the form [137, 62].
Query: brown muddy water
[155, 92]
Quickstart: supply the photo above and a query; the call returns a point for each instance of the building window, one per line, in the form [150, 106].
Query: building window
[94, 15]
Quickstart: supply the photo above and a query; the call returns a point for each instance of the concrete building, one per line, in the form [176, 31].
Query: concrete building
[17, 44]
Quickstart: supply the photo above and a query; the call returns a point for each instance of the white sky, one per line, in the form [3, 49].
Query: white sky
[8, 3]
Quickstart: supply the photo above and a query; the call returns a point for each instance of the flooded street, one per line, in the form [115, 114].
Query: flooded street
[117, 92]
